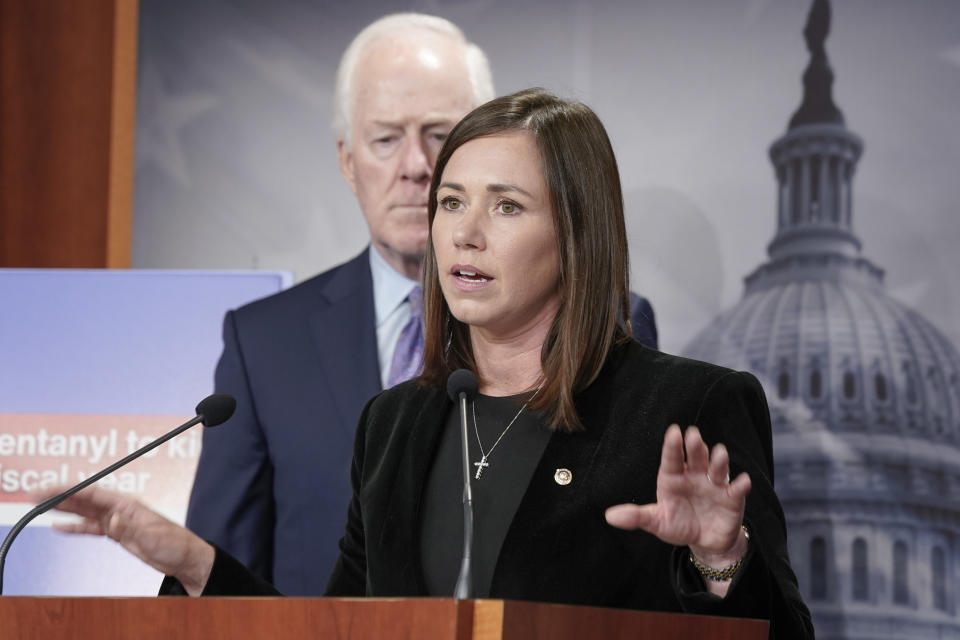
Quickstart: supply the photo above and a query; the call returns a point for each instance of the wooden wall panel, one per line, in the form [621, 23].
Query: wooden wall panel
[67, 87]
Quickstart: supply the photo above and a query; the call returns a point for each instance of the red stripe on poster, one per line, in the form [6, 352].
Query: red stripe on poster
[38, 451]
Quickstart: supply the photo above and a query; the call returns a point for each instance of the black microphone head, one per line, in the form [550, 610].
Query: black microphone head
[216, 409]
[462, 381]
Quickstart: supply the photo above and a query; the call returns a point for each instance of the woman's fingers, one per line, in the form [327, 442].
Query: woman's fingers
[697, 454]
[718, 469]
[89, 527]
[671, 458]
[103, 512]
[740, 486]
[92, 502]
[697, 504]
[715, 463]
[633, 516]
[161, 543]
[117, 526]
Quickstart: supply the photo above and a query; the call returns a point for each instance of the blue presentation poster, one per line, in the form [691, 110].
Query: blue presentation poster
[94, 364]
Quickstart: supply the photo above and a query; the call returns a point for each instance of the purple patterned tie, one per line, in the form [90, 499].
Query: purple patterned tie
[408, 354]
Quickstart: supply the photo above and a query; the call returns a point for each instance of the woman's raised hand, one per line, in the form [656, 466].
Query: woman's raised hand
[697, 505]
[159, 542]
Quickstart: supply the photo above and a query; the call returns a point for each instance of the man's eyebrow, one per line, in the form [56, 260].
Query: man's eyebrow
[501, 188]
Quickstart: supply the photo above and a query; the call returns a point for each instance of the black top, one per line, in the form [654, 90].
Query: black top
[496, 494]
[558, 547]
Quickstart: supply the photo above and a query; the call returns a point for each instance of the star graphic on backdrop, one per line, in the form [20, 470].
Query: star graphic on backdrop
[952, 55]
[754, 10]
[278, 70]
[162, 118]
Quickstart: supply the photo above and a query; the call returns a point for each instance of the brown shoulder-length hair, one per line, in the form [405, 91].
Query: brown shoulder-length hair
[585, 196]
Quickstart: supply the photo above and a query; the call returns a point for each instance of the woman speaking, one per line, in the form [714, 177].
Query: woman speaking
[585, 490]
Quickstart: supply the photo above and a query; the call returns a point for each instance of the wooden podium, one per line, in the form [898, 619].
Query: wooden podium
[28, 618]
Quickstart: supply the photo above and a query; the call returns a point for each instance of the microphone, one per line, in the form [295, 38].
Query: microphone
[212, 410]
[462, 386]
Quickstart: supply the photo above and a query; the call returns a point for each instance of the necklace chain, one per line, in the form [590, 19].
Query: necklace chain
[486, 454]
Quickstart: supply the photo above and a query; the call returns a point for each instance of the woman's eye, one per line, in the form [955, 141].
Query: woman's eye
[450, 204]
[508, 208]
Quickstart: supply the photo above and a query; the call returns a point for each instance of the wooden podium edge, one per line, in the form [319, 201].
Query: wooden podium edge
[523, 620]
[106, 618]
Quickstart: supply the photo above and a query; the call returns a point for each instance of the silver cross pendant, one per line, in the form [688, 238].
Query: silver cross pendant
[480, 465]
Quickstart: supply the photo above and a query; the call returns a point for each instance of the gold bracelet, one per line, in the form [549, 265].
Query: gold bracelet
[721, 575]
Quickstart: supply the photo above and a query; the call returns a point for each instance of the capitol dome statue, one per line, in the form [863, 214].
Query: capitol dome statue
[864, 394]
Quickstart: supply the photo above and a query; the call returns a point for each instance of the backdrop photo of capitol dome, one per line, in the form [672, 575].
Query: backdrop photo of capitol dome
[863, 390]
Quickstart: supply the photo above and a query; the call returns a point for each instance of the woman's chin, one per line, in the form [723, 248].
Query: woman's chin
[475, 318]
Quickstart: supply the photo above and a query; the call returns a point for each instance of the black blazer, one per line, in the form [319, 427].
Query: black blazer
[558, 547]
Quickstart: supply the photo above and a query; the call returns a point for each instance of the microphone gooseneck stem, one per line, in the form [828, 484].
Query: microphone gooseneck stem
[48, 504]
[462, 590]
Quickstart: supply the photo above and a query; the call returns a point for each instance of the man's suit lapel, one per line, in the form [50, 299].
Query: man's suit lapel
[345, 318]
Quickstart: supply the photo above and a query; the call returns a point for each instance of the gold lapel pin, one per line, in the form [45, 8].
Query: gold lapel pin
[563, 477]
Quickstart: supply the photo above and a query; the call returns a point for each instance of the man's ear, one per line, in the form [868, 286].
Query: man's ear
[345, 159]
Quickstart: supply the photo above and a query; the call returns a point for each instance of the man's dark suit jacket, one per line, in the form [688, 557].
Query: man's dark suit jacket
[273, 483]
[558, 547]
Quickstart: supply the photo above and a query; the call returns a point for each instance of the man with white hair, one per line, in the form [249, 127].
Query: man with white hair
[272, 487]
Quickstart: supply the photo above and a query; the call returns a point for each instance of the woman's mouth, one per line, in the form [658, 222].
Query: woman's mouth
[470, 275]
